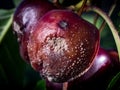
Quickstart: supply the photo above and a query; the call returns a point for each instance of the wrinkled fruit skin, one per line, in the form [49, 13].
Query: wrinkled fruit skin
[25, 18]
[103, 69]
[63, 46]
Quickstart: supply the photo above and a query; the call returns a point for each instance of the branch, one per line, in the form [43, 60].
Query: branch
[109, 14]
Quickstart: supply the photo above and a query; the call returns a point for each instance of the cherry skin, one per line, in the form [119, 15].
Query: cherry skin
[25, 18]
[63, 46]
[101, 63]
[100, 73]
[105, 66]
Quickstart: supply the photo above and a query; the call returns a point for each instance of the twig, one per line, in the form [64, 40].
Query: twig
[109, 14]
[82, 7]
[95, 19]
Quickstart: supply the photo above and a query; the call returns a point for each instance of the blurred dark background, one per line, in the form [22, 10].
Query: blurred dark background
[6, 4]
[16, 74]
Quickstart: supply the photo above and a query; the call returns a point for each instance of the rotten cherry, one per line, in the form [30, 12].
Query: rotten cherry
[25, 18]
[62, 46]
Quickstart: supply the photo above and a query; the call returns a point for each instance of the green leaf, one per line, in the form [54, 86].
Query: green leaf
[5, 22]
[61, 1]
[119, 14]
[114, 82]
[31, 77]
[40, 85]
[11, 61]
[3, 77]
[17, 2]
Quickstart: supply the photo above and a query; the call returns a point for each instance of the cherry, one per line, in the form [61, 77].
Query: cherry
[101, 63]
[100, 73]
[25, 18]
[105, 65]
[63, 46]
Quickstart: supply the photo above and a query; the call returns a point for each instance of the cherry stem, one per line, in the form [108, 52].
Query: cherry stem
[65, 85]
[95, 19]
[109, 14]
[110, 24]
[82, 7]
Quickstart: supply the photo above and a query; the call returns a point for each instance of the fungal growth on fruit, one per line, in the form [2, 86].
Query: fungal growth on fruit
[101, 63]
[25, 18]
[62, 46]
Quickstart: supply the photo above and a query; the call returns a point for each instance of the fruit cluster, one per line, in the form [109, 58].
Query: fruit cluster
[58, 43]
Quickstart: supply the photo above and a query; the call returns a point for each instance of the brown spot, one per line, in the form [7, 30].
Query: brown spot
[63, 24]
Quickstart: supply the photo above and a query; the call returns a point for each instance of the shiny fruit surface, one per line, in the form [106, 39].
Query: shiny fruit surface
[63, 46]
[101, 63]
[100, 73]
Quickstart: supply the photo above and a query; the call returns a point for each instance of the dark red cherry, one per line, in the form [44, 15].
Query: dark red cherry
[101, 63]
[25, 18]
[63, 46]
[103, 69]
